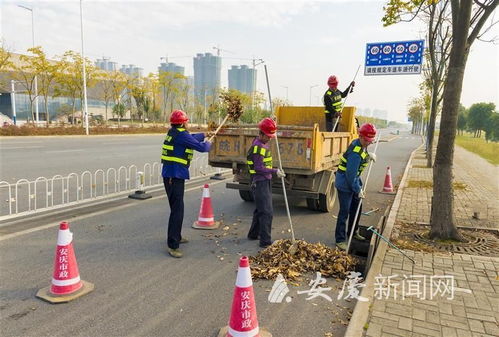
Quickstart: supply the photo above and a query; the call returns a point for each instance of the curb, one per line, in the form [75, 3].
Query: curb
[360, 313]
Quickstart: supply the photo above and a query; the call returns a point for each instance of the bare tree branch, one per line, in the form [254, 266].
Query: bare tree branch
[487, 12]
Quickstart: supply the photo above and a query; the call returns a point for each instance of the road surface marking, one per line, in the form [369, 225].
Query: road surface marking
[36, 229]
[64, 151]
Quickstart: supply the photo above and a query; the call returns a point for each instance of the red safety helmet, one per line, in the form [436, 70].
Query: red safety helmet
[332, 81]
[268, 127]
[178, 117]
[368, 132]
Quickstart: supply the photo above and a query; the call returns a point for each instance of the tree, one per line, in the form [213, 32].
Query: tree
[492, 127]
[5, 56]
[26, 74]
[468, 19]
[119, 109]
[416, 114]
[479, 115]
[70, 78]
[106, 92]
[46, 72]
[436, 15]
[462, 119]
[118, 90]
[169, 82]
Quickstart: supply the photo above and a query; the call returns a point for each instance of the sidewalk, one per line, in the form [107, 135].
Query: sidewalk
[480, 180]
[441, 294]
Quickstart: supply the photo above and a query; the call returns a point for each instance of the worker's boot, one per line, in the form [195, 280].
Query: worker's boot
[341, 245]
[177, 253]
[357, 236]
[183, 240]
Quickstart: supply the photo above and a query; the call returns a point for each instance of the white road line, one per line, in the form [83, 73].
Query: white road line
[20, 147]
[65, 151]
[42, 227]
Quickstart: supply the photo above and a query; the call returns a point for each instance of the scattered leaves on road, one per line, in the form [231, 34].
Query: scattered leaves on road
[309, 257]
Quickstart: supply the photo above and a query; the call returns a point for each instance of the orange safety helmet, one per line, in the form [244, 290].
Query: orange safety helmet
[332, 81]
[368, 132]
[178, 117]
[268, 127]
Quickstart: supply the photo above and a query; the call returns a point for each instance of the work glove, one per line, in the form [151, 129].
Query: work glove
[280, 173]
[352, 84]
[362, 194]
[372, 156]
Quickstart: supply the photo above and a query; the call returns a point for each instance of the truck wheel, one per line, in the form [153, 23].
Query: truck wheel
[312, 204]
[326, 201]
[246, 195]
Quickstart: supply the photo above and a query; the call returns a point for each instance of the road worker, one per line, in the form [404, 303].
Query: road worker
[259, 160]
[178, 149]
[332, 102]
[349, 185]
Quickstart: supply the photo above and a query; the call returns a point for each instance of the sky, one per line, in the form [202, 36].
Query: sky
[301, 42]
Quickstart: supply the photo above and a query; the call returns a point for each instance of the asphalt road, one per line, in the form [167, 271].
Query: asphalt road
[141, 291]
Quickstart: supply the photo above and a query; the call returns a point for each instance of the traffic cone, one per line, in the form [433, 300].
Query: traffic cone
[66, 283]
[243, 319]
[388, 187]
[206, 219]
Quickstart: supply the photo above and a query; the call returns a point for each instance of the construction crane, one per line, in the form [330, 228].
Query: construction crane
[220, 49]
[173, 57]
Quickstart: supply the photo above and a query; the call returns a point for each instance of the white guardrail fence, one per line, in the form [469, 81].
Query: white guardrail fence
[28, 197]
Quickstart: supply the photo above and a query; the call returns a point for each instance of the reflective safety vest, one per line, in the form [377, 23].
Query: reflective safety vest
[336, 99]
[354, 149]
[167, 153]
[267, 158]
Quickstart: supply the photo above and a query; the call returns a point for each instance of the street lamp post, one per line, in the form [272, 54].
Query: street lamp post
[13, 100]
[310, 94]
[37, 114]
[286, 92]
[85, 107]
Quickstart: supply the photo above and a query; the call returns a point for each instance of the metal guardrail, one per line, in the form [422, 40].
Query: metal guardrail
[28, 197]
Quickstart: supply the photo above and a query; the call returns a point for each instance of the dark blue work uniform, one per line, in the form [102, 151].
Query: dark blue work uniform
[349, 184]
[178, 149]
[259, 160]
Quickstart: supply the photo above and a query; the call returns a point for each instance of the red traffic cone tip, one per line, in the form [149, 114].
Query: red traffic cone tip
[244, 262]
[64, 225]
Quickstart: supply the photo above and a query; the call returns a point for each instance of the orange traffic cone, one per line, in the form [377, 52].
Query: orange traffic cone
[206, 219]
[388, 187]
[66, 283]
[243, 319]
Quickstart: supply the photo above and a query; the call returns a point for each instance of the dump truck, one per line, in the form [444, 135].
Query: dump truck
[309, 156]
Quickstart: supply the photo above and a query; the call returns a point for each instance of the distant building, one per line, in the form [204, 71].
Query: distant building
[207, 68]
[132, 70]
[106, 64]
[171, 68]
[242, 78]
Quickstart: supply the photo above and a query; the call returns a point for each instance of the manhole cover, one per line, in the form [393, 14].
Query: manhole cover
[477, 243]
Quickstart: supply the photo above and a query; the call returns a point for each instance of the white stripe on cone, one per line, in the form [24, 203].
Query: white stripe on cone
[250, 333]
[63, 283]
[206, 192]
[64, 237]
[200, 219]
[244, 277]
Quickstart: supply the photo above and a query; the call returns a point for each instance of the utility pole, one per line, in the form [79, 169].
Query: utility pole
[13, 99]
[253, 90]
[85, 106]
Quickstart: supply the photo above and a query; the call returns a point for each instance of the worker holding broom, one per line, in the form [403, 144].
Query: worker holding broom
[178, 149]
[332, 102]
[349, 185]
[259, 160]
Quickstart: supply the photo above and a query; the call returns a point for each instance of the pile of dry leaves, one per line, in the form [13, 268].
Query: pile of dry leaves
[233, 105]
[309, 257]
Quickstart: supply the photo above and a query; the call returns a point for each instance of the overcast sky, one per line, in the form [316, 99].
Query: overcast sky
[301, 42]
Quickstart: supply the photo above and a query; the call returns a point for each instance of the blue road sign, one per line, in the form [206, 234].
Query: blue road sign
[394, 58]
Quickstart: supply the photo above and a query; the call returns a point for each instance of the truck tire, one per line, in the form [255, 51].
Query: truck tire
[312, 204]
[326, 201]
[246, 195]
